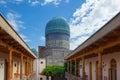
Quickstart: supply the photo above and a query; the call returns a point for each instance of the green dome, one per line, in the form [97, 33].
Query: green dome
[57, 25]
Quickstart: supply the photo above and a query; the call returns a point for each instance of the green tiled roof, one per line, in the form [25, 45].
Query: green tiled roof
[57, 24]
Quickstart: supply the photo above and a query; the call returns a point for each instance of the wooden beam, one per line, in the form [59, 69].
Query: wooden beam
[97, 49]
[8, 46]
[2, 43]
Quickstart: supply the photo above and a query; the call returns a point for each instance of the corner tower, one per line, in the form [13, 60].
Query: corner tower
[57, 34]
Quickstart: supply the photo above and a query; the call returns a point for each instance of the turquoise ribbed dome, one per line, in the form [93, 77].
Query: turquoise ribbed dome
[57, 25]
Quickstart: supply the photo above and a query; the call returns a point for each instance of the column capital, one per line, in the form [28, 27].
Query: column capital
[21, 55]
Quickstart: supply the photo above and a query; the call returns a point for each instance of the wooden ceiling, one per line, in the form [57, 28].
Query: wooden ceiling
[7, 39]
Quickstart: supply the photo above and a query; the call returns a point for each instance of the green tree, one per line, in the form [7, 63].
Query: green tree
[56, 72]
[65, 66]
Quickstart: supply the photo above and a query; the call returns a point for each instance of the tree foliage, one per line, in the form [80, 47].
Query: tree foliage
[65, 66]
[54, 70]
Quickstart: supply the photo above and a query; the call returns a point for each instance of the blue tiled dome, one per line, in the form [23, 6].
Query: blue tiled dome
[57, 25]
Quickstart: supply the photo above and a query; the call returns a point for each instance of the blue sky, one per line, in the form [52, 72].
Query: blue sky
[29, 17]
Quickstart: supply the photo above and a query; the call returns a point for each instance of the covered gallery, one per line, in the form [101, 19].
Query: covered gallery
[16, 58]
[98, 58]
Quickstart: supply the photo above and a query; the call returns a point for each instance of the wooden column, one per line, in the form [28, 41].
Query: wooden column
[68, 66]
[79, 68]
[32, 65]
[99, 66]
[27, 66]
[70, 74]
[83, 68]
[17, 74]
[21, 66]
[75, 67]
[10, 66]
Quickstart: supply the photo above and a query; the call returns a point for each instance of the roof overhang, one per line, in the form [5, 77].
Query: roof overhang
[10, 36]
[111, 26]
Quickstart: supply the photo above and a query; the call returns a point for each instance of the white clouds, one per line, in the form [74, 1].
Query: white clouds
[17, 24]
[34, 3]
[17, 1]
[76, 42]
[3, 2]
[25, 38]
[29, 1]
[45, 2]
[67, 1]
[42, 38]
[55, 2]
[91, 15]
[13, 19]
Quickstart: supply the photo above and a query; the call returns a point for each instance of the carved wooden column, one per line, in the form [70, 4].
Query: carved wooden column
[21, 66]
[83, 68]
[75, 67]
[10, 67]
[70, 67]
[67, 67]
[70, 70]
[79, 68]
[27, 66]
[99, 66]
[32, 65]
[17, 74]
